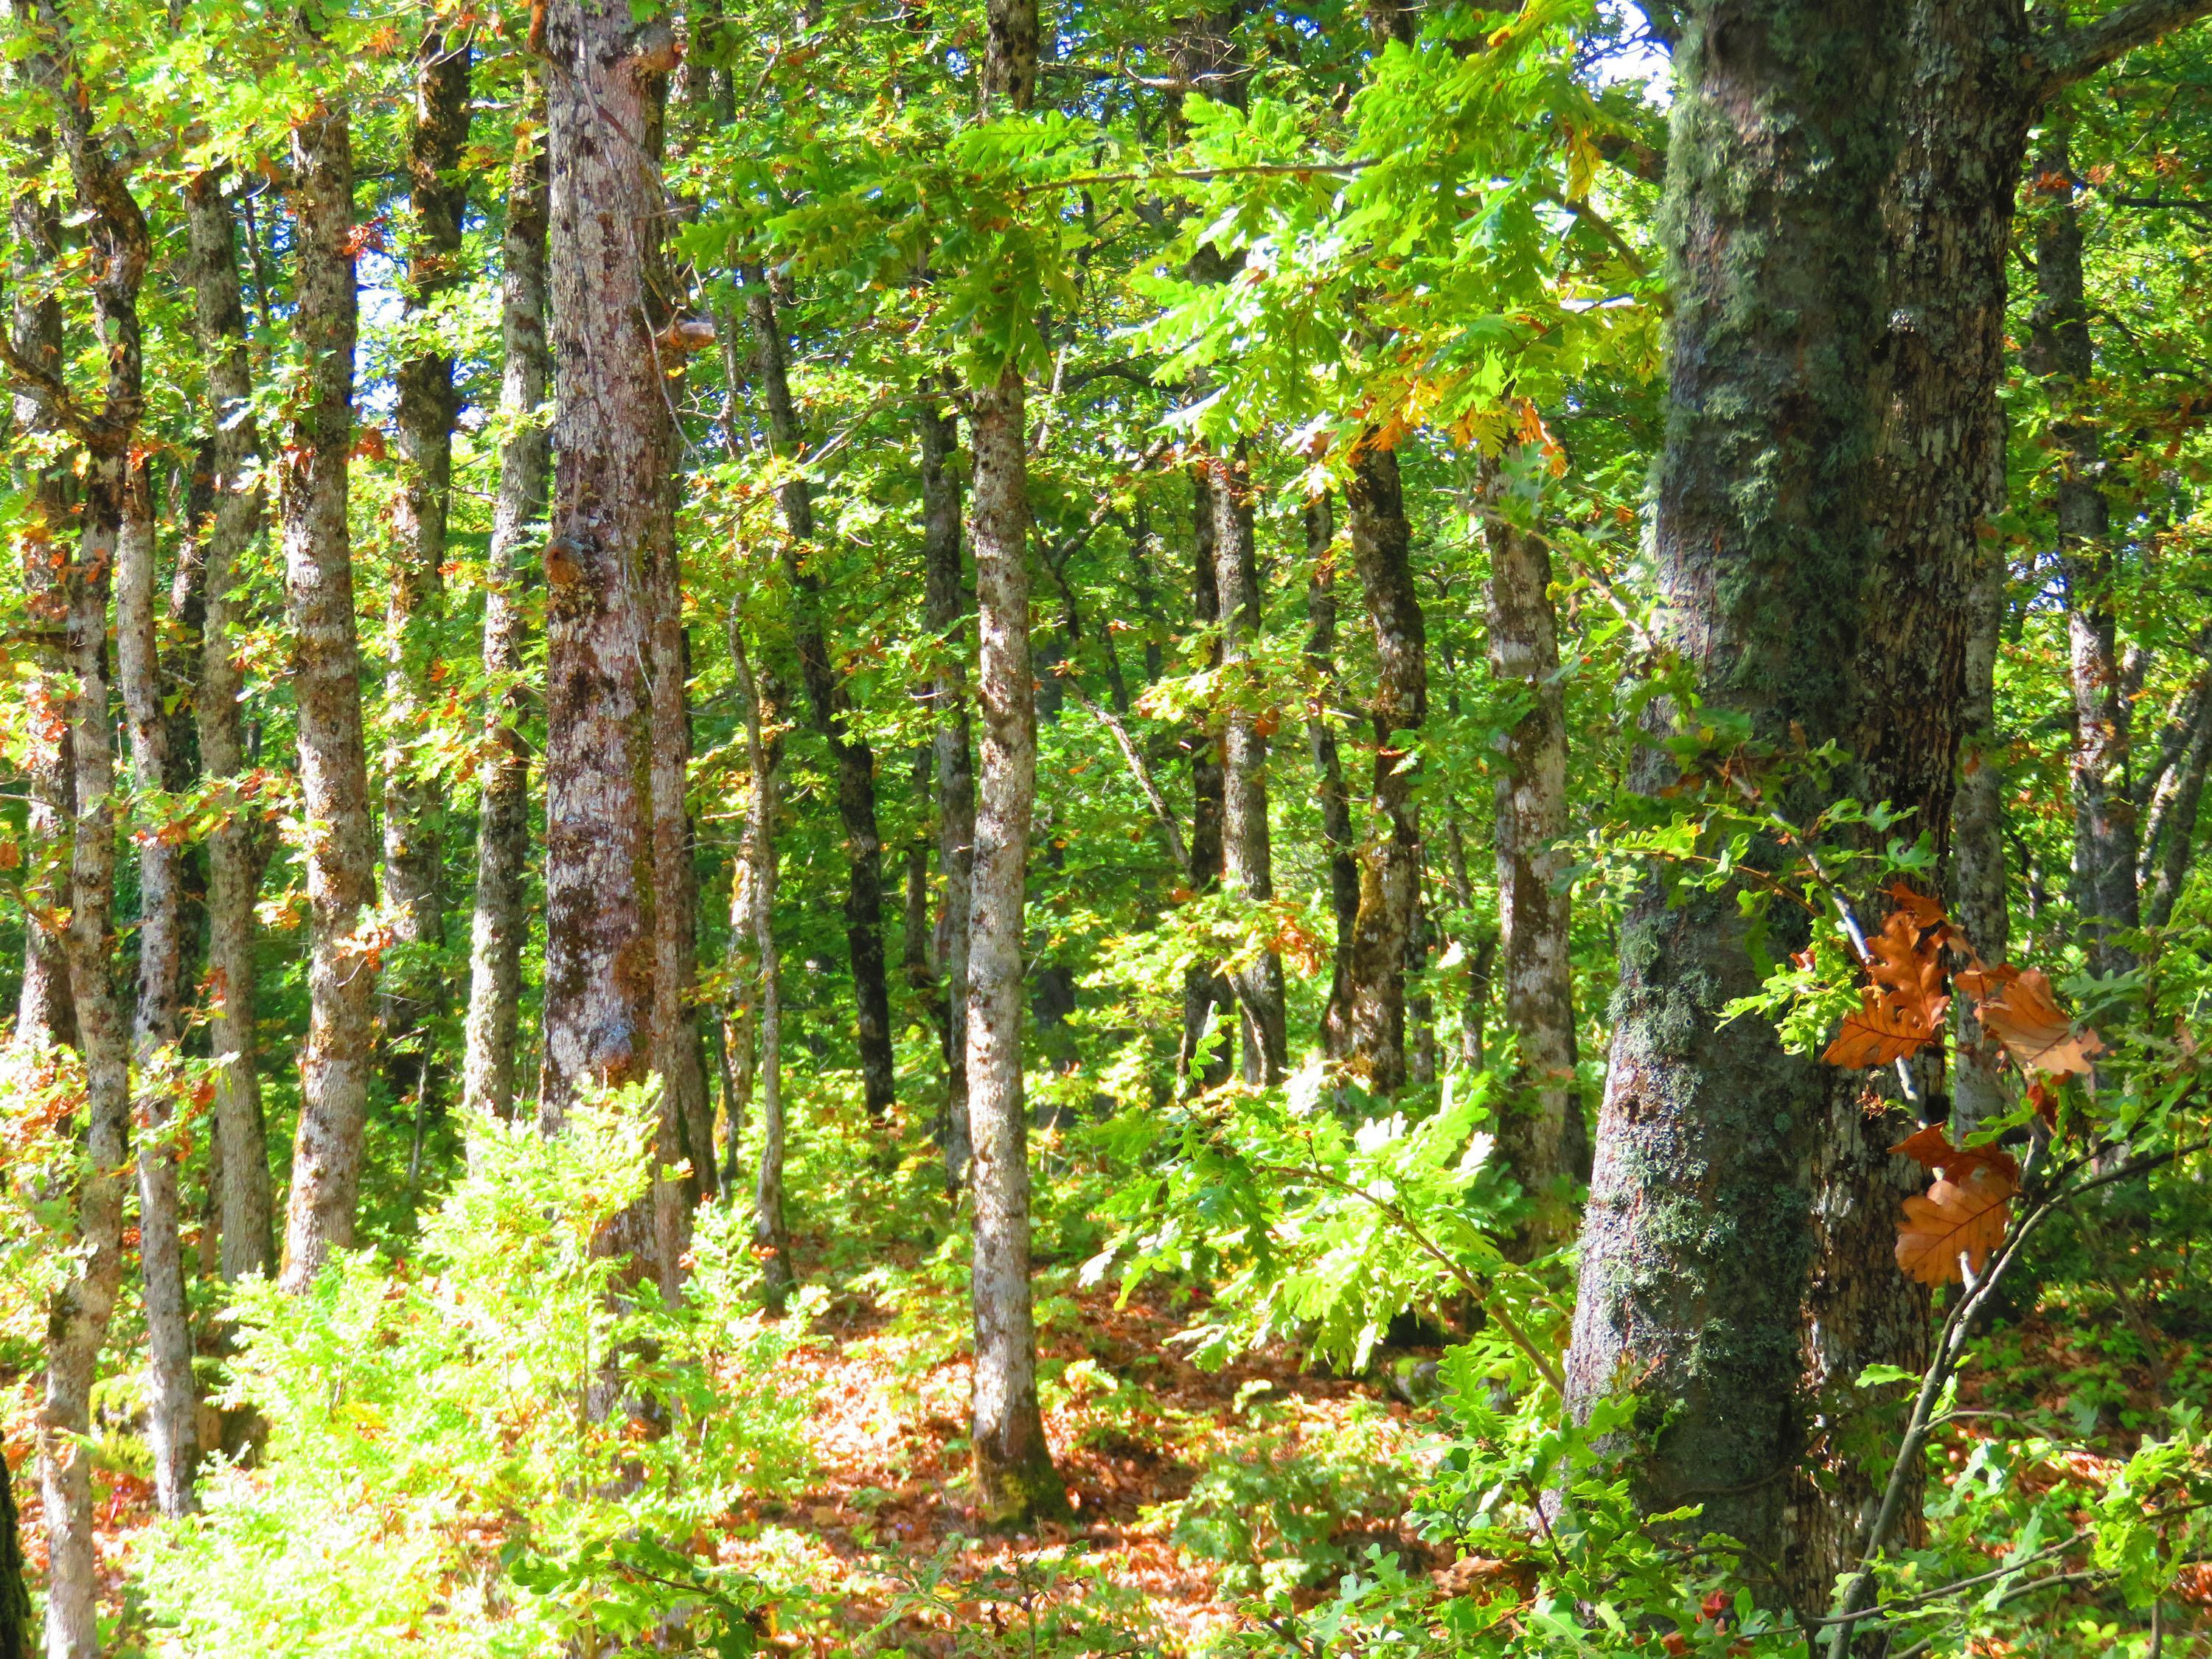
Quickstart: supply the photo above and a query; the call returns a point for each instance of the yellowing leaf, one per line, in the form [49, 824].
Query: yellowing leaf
[1965, 1217]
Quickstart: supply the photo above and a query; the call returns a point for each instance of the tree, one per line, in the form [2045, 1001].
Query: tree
[1696, 1245]
[16, 1640]
[236, 855]
[313, 487]
[497, 928]
[1014, 1475]
[945, 602]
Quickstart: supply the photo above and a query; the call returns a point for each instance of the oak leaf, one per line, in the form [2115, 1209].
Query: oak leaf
[1931, 1149]
[1964, 1218]
[1901, 1012]
[2018, 1007]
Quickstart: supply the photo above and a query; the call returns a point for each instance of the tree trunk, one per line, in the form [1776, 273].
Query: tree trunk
[412, 989]
[613, 446]
[770, 1232]
[1480, 951]
[1541, 1138]
[831, 706]
[1014, 1476]
[234, 853]
[497, 930]
[1697, 1240]
[946, 600]
[1371, 1014]
[326, 1154]
[1321, 739]
[1247, 856]
[17, 1633]
[1205, 993]
[2104, 810]
[44, 1012]
[173, 1407]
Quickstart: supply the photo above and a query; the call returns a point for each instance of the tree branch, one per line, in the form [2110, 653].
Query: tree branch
[2063, 57]
[1163, 815]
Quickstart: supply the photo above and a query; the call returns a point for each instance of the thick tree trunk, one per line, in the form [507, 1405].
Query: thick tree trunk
[771, 1233]
[1541, 1138]
[1370, 1014]
[1247, 852]
[173, 1407]
[412, 991]
[830, 705]
[497, 929]
[1327, 696]
[235, 854]
[2104, 809]
[613, 444]
[946, 603]
[1697, 1239]
[1207, 996]
[326, 1154]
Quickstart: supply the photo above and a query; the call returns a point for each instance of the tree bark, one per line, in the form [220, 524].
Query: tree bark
[1014, 1476]
[1205, 993]
[411, 992]
[2104, 809]
[234, 853]
[500, 924]
[830, 704]
[1369, 1016]
[1698, 1238]
[326, 1153]
[173, 1408]
[1320, 741]
[44, 1012]
[613, 446]
[946, 602]
[1542, 1138]
[17, 1633]
[770, 1232]
[1247, 852]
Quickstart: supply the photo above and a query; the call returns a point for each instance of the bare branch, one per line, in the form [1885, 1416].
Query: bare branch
[2062, 59]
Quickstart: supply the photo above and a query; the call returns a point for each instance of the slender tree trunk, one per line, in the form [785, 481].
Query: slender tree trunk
[946, 602]
[173, 1407]
[1014, 1476]
[44, 1012]
[2104, 809]
[1480, 950]
[326, 1154]
[2179, 845]
[428, 401]
[18, 1637]
[1205, 993]
[1321, 739]
[770, 1232]
[831, 706]
[1696, 1243]
[498, 928]
[1542, 1138]
[613, 446]
[234, 855]
[1979, 898]
[1370, 1016]
[1246, 854]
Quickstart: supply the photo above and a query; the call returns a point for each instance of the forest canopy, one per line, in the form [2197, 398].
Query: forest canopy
[892, 828]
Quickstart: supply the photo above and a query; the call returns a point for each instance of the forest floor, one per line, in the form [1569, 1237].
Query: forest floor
[881, 1536]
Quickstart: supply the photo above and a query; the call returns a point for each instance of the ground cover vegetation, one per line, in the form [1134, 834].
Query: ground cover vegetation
[1006, 829]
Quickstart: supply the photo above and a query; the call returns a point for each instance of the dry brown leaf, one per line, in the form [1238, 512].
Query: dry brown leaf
[1876, 1035]
[1965, 1218]
[1931, 1149]
[2018, 1008]
[1902, 1010]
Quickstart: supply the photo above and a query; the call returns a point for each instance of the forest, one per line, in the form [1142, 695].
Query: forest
[1097, 828]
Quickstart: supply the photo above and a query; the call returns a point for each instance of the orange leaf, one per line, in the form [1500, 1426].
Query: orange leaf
[1931, 1149]
[1902, 1010]
[1876, 1035]
[2018, 1007]
[1965, 1217]
[1924, 911]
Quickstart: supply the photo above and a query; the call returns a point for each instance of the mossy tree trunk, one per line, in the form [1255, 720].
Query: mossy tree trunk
[1697, 1239]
